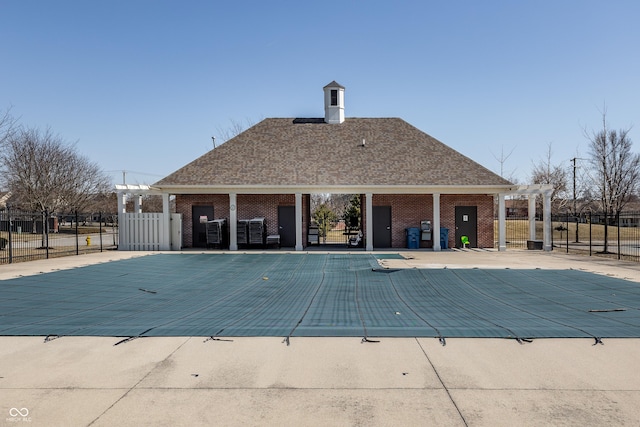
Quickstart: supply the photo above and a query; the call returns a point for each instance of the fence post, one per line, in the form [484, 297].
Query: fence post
[567, 222]
[45, 230]
[618, 225]
[100, 222]
[77, 236]
[10, 237]
[590, 240]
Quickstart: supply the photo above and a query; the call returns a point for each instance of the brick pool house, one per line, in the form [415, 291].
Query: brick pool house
[403, 176]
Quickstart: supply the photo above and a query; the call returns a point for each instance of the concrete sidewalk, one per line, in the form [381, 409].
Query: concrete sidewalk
[80, 381]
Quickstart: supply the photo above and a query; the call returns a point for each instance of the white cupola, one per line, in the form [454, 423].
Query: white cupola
[333, 103]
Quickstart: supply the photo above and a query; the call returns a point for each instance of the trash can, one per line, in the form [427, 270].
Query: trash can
[444, 238]
[413, 237]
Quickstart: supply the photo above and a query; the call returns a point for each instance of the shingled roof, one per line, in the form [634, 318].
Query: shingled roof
[285, 152]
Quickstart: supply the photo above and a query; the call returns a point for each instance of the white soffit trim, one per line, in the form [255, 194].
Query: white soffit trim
[533, 189]
[342, 189]
[136, 189]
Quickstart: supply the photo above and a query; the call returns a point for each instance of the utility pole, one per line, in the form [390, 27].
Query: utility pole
[574, 187]
[575, 208]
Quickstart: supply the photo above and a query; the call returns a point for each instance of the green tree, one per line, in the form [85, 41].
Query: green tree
[325, 218]
[352, 213]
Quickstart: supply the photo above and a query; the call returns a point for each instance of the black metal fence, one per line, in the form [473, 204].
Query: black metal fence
[584, 234]
[27, 236]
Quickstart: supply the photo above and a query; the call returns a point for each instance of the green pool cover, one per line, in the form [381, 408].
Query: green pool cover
[315, 295]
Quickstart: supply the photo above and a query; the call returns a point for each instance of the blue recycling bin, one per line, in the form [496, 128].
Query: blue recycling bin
[444, 238]
[413, 237]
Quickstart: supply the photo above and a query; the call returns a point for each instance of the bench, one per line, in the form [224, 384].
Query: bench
[273, 239]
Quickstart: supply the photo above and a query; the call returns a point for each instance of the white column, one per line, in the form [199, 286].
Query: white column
[233, 222]
[369, 220]
[122, 209]
[502, 225]
[137, 204]
[165, 234]
[122, 203]
[137, 199]
[436, 222]
[546, 215]
[532, 217]
[299, 222]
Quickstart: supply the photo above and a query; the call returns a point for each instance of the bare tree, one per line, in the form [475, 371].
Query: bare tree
[6, 120]
[150, 203]
[503, 159]
[616, 170]
[545, 172]
[7, 126]
[235, 128]
[45, 173]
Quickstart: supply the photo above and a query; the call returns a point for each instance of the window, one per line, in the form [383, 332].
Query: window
[334, 96]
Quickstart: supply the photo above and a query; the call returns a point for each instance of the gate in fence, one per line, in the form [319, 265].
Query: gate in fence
[147, 232]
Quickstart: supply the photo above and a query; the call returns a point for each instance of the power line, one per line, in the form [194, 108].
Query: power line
[125, 172]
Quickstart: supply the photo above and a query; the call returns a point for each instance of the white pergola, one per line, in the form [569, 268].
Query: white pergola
[143, 231]
[531, 191]
[137, 191]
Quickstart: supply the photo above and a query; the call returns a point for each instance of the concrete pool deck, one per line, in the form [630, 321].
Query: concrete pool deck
[81, 381]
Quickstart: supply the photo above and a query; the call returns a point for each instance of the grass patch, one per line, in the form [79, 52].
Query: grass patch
[517, 230]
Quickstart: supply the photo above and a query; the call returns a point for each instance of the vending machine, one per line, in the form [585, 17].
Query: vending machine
[425, 227]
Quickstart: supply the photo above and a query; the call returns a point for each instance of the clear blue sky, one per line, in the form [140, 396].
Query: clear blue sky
[143, 85]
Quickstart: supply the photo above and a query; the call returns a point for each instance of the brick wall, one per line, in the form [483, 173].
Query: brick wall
[448, 202]
[248, 206]
[264, 205]
[407, 210]
[220, 203]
